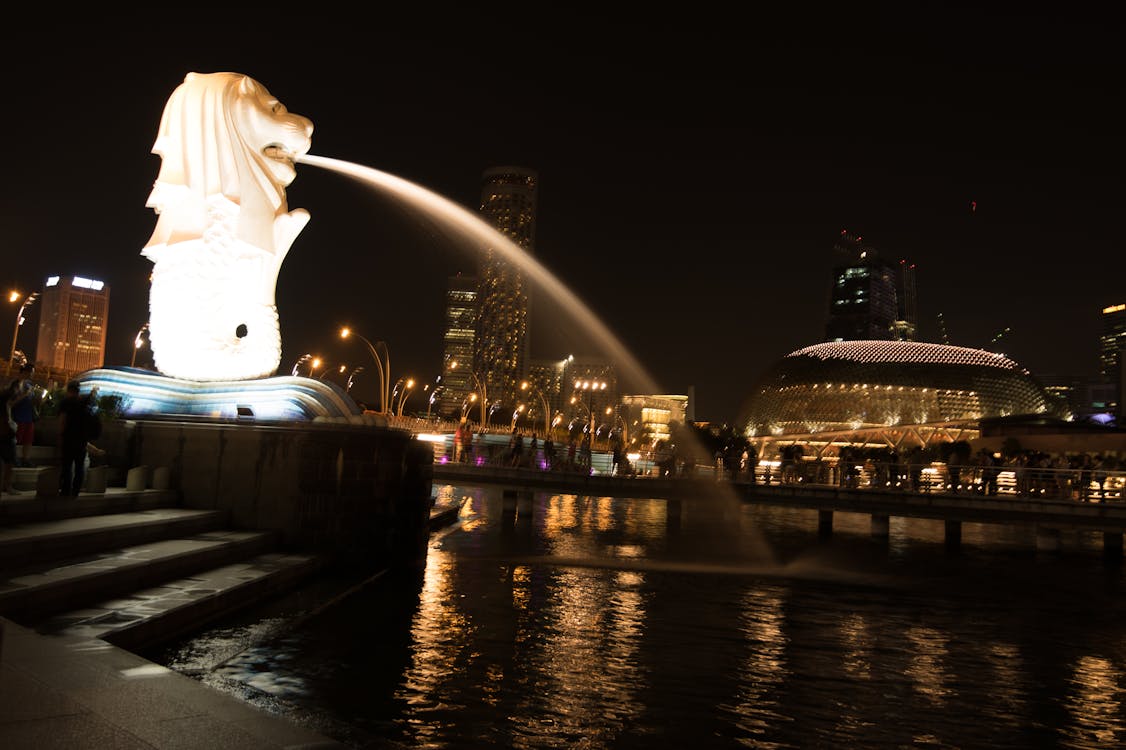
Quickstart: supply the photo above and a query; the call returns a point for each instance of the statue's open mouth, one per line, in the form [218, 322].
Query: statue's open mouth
[278, 152]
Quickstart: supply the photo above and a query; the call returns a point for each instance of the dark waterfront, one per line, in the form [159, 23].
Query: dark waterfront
[625, 623]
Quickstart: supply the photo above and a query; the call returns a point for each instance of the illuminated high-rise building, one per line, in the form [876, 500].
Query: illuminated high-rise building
[1112, 344]
[457, 351]
[72, 324]
[872, 298]
[508, 204]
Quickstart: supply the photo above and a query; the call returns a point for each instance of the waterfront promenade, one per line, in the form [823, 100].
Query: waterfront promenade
[1102, 511]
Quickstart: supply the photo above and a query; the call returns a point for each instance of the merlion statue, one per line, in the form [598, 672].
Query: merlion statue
[223, 227]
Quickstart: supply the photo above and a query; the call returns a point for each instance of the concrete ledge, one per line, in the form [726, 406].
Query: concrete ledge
[96, 479]
[47, 483]
[138, 478]
[161, 478]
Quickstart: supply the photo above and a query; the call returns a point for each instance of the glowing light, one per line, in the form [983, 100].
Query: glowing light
[223, 227]
[52, 280]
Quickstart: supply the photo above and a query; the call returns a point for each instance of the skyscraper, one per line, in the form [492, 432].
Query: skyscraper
[508, 204]
[1112, 343]
[458, 339]
[872, 298]
[72, 324]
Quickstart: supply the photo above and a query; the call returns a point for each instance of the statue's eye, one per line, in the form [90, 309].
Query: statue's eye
[241, 331]
[278, 108]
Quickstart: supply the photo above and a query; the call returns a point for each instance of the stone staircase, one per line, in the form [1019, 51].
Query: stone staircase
[128, 564]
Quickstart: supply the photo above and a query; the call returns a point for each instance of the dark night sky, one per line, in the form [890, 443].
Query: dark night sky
[693, 173]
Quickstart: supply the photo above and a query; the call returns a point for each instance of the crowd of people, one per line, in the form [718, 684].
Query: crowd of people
[78, 426]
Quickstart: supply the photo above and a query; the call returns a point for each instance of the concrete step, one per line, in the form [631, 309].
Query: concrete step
[30, 479]
[38, 591]
[148, 617]
[23, 544]
[27, 507]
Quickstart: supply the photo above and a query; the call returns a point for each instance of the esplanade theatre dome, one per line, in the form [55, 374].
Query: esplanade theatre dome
[843, 386]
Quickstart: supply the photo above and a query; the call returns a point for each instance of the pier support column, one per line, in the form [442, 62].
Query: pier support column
[881, 526]
[673, 511]
[953, 534]
[1112, 546]
[825, 523]
[1047, 540]
[524, 504]
[509, 497]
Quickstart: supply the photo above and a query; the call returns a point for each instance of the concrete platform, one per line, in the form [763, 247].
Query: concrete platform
[73, 692]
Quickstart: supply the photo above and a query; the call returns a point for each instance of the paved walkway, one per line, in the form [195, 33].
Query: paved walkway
[72, 692]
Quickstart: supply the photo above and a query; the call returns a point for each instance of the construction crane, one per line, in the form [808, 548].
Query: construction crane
[997, 338]
[942, 329]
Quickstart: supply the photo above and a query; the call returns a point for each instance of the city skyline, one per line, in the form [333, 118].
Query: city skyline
[692, 181]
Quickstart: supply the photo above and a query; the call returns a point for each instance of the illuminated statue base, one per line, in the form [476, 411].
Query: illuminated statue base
[280, 399]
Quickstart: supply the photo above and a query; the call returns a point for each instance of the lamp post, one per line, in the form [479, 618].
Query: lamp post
[469, 401]
[300, 361]
[526, 386]
[351, 376]
[138, 342]
[384, 366]
[28, 301]
[589, 419]
[589, 386]
[314, 363]
[481, 387]
[408, 386]
[430, 404]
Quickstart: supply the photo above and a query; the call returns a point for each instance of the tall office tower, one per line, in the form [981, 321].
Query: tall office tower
[872, 298]
[457, 351]
[508, 203]
[72, 324]
[1112, 344]
[907, 312]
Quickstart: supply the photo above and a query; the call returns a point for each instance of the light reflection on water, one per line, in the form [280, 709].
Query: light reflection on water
[611, 623]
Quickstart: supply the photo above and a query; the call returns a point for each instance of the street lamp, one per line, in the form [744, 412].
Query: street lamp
[351, 377]
[481, 387]
[590, 386]
[384, 366]
[469, 401]
[433, 395]
[526, 386]
[28, 301]
[314, 363]
[138, 342]
[408, 386]
[340, 370]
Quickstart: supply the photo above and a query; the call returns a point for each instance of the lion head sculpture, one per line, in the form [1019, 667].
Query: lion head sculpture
[223, 228]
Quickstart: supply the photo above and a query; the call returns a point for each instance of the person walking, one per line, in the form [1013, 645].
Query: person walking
[75, 413]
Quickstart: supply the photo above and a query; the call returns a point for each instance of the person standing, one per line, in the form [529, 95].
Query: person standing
[74, 415]
[7, 439]
[25, 410]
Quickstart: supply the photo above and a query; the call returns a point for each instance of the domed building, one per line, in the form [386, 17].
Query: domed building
[888, 394]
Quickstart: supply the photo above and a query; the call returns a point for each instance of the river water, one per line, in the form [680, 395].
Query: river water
[596, 622]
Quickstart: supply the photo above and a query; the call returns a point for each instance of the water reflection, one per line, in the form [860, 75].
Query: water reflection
[605, 623]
